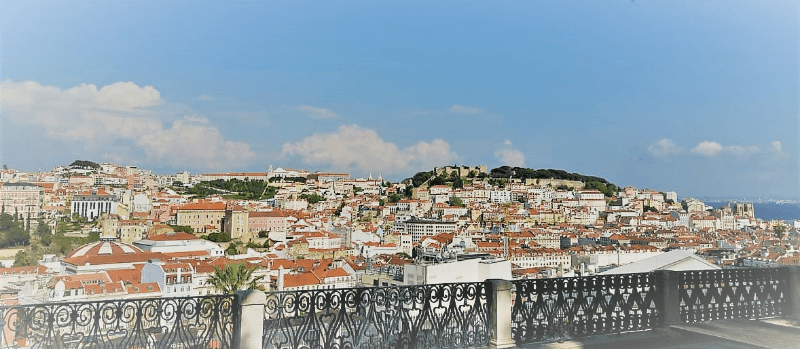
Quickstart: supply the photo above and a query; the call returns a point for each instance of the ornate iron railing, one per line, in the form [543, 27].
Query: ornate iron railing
[554, 309]
[425, 316]
[188, 322]
[707, 295]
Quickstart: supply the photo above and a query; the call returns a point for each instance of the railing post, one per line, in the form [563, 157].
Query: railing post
[500, 313]
[670, 300]
[794, 292]
[251, 309]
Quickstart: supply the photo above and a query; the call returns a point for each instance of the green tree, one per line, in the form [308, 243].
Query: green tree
[235, 277]
[312, 198]
[456, 201]
[86, 164]
[420, 178]
[12, 232]
[183, 228]
[394, 197]
[779, 230]
[23, 259]
[233, 248]
[217, 237]
[438, 180]
[650, 209]
[43, 232]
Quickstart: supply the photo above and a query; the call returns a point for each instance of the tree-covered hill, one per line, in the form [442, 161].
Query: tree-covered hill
[506, 172]
[84, 164]
[523, 173]
[235, 189]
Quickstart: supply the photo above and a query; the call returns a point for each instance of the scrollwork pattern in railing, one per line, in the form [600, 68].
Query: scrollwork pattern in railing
[707, 295]
[190, 322]
[425, 316]
[560, 308]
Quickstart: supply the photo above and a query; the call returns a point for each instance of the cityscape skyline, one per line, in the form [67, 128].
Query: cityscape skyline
[697, 98]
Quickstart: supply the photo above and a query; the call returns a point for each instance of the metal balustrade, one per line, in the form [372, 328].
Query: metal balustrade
[495, 313]
[425, 316]
[187, 322]
[562, 308]
[707, 295]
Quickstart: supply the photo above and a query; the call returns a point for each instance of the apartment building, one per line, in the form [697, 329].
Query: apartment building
[426, 227]
[201, 215]
[92, 204]
[25, 199]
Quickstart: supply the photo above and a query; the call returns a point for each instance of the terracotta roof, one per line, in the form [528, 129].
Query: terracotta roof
[104, 252]
[148, 287]
[328, 273]
[209, 206]
[259, 214]
[300, 279]
[104, 248]
[174, 236]
[22, 270]
[131, 275]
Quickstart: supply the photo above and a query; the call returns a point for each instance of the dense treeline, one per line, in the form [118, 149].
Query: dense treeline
[496, 175]
[57, 244]
[12, 231]
[519, 172]
[84, 164]
[421, 177]
[235, 188]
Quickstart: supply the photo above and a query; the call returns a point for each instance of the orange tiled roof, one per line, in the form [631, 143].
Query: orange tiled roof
[206, 206]
[300, 279]
[174, 237]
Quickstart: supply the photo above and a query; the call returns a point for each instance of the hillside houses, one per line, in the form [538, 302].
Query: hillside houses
[326, 230]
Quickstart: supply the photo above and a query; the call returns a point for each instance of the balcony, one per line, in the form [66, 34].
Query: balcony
[495, 314]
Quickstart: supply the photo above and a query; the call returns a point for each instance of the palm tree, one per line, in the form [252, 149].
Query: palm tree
[235, 277]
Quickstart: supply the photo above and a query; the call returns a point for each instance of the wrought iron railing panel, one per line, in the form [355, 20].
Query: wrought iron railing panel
[554, 309]
[424, 316]
[707, 295]
[187, 322]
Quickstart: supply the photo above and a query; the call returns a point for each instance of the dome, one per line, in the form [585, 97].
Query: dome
[107, 254]
[104, 248]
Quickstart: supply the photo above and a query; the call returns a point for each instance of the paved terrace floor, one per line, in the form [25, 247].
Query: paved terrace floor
[718, 334]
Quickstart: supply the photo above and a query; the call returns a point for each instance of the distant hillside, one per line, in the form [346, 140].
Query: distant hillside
[84, 164]
[505, 172]
[592, 182]
[522, 173]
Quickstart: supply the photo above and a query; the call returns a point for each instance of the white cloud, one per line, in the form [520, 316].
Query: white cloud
[316, 112]
[121, 113]
[510, 156]
[460, 109]
[711, 148]
[352, 147]
[664, 147]
[777, 146]
[708, 148]
[205, 98]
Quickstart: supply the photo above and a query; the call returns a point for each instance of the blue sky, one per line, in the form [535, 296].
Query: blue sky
[698, 97]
